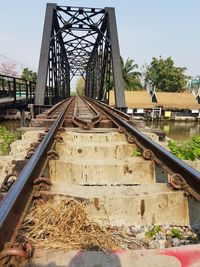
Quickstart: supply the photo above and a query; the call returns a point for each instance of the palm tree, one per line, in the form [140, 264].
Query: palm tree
[130, 76]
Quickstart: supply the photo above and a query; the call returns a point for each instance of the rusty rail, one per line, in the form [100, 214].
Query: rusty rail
[81, 122]
[182, 176]
[18, 197]
[13, 204]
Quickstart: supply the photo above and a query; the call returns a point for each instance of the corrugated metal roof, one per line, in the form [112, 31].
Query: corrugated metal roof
[141, 99]
[134, 99]
[177, 100]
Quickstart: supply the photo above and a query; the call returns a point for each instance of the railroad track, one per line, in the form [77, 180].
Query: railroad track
[82, 165]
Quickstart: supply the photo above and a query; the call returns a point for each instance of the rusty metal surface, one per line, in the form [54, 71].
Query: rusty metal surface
[154, 151]
[19, 252]
[19, 190]
[182, 176]
[81, 113]
[15, 200]
[85, 115]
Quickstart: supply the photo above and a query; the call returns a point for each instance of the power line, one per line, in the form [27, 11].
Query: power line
[17, 62]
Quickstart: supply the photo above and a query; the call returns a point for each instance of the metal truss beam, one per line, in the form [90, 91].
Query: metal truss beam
[83, 42]
[44, 55]
[116, 61]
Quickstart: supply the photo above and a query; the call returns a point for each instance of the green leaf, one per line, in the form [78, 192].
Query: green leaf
[188, 150]
[7, 138]
[176, 233]
[164, 76]
[137, 153]
[156, 229]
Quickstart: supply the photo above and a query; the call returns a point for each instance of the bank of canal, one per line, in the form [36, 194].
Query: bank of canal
[179, 131]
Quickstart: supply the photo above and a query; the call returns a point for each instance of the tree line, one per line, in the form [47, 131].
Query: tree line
[160, 74]
[9, 69]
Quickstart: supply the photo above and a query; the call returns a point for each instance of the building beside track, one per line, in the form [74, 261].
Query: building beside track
[169, 106]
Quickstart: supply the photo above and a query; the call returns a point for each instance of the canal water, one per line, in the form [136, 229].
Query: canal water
[12, 125]
[176, 130]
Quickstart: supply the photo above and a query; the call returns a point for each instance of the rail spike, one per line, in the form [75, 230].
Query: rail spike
[58, 138]
[34, 145]
[131, 139]
[42, 184]
[47, 129]
[7, 182]
[30, 153]
[52, 154]
[179, 183]
[121, 130]
[148, 154]
[22, 251]
[61, 130]
[41, 137]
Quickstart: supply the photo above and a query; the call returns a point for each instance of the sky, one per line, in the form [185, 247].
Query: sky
[146, 29]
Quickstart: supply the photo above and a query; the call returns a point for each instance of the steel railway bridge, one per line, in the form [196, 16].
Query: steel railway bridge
[82, 42]
[76, 41]
[83, 150]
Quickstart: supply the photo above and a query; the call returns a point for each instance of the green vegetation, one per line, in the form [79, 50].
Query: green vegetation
[73, 93]
[176, 233]
[131, 77]
[137, 153]
[156, 229]
[188, 150]
[7, 138]
[80, 86]
[161, 74]
[164, 76]
[29, 75]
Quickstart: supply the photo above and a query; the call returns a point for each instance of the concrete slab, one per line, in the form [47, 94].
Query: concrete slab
[135, 170]
[130, 205]
[88, 136]
[187, 256]
[18, 151]
[92, 130]
[97, 151]
[31, 134]
[20, 147]
[6, 165]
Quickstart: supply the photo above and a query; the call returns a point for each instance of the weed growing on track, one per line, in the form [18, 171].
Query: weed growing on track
[7, 138]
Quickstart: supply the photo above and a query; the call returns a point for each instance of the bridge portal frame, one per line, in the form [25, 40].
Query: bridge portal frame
[110, 61]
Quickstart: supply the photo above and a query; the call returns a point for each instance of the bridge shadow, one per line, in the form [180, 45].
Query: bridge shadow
[95, 259]
[87, 259]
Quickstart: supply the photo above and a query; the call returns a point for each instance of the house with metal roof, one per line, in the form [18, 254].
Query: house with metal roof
[140, 103]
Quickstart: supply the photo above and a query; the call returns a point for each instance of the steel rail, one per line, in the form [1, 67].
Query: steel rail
[112, 109]
[54, 108]
[51, 111]
[80, 121]
[96, 119]
[76, 120]
[177, 166]
[13, 204]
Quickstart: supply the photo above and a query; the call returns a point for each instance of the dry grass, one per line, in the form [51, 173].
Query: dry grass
[64, 224]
